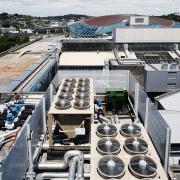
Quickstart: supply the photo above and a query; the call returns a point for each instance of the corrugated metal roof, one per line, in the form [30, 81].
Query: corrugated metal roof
[171, 101]
[173, 120]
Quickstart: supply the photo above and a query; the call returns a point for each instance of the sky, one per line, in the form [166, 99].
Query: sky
[89, 7]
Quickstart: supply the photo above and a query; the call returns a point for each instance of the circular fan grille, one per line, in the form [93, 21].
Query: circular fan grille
[67, 90]
[105, 130]
[81, 104]
[108, 146]
[69, 84]
[111, 166]
[63, 104]
[86, 80]
[129, 130]
[82, 90]
[82, 96]
[83, 84]
[66, 96]
[70, 80]
[136, 145]
[142, 166]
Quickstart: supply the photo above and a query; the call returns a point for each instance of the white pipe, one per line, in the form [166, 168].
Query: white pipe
[104, 119]
[8, 133]
[80, 171]
[112, 120]
[58, 175]
[116, 119]
[57, 166]
[53, 175]
[72, 169]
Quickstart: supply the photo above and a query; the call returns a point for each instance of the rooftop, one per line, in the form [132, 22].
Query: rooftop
[12, 66]
[170, 101]
[84, 58]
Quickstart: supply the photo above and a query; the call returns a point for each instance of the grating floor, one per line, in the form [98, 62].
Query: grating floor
[154, 57]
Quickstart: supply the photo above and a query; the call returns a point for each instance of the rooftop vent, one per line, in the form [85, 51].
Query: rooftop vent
[164, 66]
[173, 66]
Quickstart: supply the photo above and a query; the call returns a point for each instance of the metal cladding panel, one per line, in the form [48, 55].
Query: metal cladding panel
[47, 99]
[156, 81]
[157, 126]
[132, 82]
[157, 129]
[142, 103]
[16, 164]
[36, 124]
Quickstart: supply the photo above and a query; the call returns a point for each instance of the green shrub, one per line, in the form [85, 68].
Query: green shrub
[58, 31]
[42, 32]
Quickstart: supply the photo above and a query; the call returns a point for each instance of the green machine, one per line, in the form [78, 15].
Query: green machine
[115, 99]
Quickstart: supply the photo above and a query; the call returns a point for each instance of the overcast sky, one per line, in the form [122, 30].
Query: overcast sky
[89, 7]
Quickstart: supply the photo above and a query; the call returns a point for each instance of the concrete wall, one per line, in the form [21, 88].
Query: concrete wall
[132, 20]
[109, 46]
[136, 70]
[156, 81]
[133, 34]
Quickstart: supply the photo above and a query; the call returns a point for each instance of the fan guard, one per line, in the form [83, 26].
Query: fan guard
[83, 84]
[135, 145]
[69, 84]
[111, 166]
[81, 105]
[67, 90]
[129, 130]
[71, 80]
[108, 146]
[63, 104]
[66, 96]
[106, 130]
[86, 80]
[82, 96]
[142, 166]
[83, 90]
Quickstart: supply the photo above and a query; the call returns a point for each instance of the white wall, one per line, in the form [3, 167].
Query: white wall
[130, 34]
[132, 20]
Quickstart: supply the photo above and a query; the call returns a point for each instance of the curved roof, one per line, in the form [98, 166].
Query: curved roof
[161, 21]
[105, 20]
[83, 29]
[101, 25]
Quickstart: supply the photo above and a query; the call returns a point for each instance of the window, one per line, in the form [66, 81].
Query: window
[172, 75]
[139, 20]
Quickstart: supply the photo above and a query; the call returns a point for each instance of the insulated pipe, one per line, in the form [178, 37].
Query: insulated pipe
[112, 120]
[8, 133]
[58, 175]
[80, 171]
[104, 119]
[116, 119]
[45, 146]
[57, 166]
[53, 175]
[72, 168]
